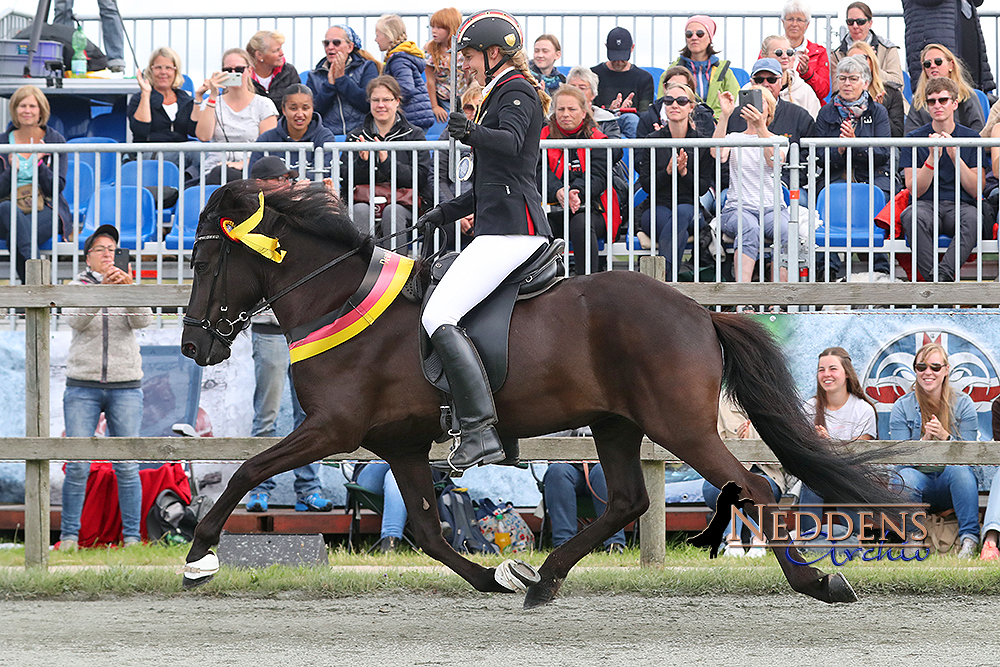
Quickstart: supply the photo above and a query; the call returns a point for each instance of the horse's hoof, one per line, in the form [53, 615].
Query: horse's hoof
[838, 589]
[542, 593]
[201, 571]
[516, 575]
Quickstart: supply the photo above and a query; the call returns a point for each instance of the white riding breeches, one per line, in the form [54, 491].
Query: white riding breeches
[478, 270]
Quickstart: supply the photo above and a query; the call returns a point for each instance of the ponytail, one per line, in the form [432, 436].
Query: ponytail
[520, 62]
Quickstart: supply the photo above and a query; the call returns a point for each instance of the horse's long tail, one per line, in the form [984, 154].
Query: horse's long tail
[756, 376]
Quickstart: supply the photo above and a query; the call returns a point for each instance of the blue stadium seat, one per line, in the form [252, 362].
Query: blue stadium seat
[187, 84]
[742, 76]
[188, 218]
[86, 188]
[863, 210]
[135, 226]
[107, 174]
[110, 125]
[985, 101]
[907, 91]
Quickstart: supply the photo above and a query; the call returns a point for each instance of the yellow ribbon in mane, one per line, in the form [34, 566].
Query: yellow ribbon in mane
[242, 233]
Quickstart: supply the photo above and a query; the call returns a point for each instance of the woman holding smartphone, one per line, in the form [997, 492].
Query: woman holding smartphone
[233, 112]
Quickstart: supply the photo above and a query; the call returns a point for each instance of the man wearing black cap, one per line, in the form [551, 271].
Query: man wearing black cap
[103, 374]
[271, 365]
[623, 88]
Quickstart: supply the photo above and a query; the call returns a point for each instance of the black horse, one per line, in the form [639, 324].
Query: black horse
[618, 351]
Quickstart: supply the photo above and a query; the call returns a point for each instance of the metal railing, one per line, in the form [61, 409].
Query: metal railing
[159, 261]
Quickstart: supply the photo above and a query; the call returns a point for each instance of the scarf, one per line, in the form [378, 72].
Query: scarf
[852, 110]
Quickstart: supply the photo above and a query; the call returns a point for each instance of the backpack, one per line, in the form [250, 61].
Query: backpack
[456, 509]
[172, 520]
[502, 519]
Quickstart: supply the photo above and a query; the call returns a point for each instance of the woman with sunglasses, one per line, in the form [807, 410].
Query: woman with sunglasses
[232, 113]
[889, 97]
[793, 88]
[712, 75]
[577, 180]
[751, 186]
[340, 79]
[934, 411]
[954, 23]
[682, 175]
[937, 60]
[859, 29]
[852, 113]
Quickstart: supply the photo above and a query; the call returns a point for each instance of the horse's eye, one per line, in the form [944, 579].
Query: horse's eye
[200, 267]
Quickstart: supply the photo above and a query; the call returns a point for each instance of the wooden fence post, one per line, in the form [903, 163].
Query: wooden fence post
[36, 385]
[653, 524]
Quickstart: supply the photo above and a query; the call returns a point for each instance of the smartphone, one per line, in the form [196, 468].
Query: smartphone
[123, 256]
[232, 79]
[751, 97]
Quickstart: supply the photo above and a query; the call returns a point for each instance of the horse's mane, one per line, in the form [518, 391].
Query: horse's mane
[311, 209]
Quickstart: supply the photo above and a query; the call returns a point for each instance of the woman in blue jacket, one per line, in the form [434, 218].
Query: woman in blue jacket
[933, 411]
[339, 80]
[300, 122]
[405, 62]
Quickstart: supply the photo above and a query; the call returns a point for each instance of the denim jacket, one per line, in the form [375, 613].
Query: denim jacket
[905, 423]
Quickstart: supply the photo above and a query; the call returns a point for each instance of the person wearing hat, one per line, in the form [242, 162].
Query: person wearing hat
[339, 80]
[623, 88]
[103, 374]
[712, 75]
[790, 120]
[271, 364]
[510, 224]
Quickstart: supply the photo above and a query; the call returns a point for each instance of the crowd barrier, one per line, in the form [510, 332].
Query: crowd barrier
[826, 219]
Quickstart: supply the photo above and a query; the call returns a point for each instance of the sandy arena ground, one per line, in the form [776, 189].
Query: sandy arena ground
[419, 629]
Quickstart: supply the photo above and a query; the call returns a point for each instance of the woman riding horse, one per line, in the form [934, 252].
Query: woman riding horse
[510, 224]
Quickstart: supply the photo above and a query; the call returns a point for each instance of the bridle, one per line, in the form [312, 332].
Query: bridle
[225, 330]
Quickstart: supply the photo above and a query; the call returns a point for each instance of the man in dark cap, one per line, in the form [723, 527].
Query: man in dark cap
[623, 88]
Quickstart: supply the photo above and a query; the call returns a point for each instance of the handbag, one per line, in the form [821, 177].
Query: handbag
[383, 196]
[504, 527]
[24, 200]
[942, 532]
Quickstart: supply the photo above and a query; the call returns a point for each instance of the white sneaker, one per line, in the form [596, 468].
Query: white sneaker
[734, 551]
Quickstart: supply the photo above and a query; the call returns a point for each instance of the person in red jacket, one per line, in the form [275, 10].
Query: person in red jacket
[813, 59]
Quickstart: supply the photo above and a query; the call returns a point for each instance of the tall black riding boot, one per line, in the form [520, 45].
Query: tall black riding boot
[478, 441]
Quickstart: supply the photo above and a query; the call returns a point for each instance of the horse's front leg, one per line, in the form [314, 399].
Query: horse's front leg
[413, 476]
[304, 445]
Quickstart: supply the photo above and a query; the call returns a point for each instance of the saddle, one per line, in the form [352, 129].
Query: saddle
[488, 324]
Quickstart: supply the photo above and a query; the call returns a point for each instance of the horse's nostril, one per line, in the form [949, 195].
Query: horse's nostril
[189, 350]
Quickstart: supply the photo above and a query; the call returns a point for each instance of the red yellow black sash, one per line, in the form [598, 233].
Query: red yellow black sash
[387, 273]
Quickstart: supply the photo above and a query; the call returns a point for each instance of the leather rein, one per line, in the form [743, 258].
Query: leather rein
[224, 329]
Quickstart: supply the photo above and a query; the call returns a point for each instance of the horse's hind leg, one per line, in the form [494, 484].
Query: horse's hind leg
[709, 456]
[618, 441]
[413, 476]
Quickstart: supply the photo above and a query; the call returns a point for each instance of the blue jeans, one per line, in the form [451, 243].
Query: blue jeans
[628, 123]
[24, 237]
[991, 521]
[666, 243]
[711, 494]
[271, 365]
[82, 408]
[111, 26]
[563, 482]
[378, 478]
[953, 488]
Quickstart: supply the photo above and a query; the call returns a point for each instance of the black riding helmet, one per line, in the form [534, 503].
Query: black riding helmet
[491, 28]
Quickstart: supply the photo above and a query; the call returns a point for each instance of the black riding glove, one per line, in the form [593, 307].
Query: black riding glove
[459, 126]
[431, 219]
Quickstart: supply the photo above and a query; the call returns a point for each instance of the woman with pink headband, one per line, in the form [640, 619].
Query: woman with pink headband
[712, 75]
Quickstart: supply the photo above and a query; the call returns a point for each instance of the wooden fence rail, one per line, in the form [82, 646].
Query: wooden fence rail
[37, 449]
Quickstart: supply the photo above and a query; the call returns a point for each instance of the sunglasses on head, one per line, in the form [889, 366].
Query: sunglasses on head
[861, 21]
[921, 367]
[335, 42]
[239, 69]
[787, 52]
[935, 61]
[689, 34]
[768, 79]
[932, 101]
[681, 101]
